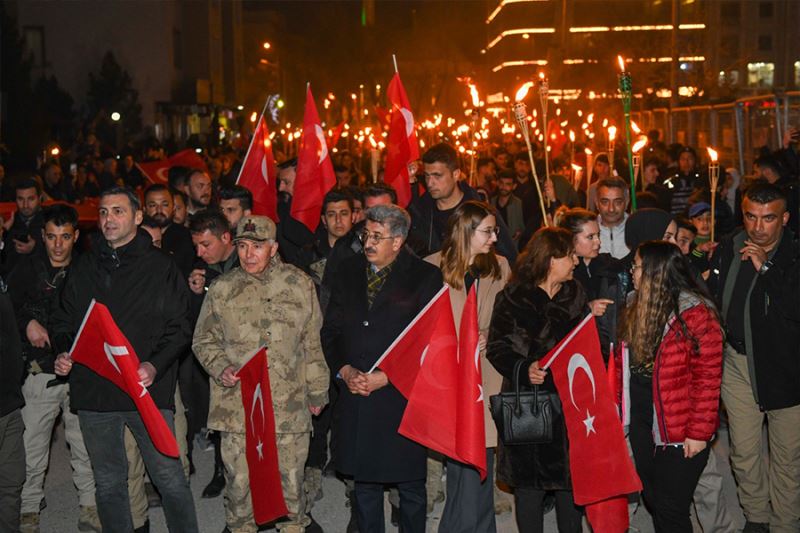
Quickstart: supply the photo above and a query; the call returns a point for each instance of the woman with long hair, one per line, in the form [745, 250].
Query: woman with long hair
[674, 340]
[537, 309]
[468, 259]
[599, 274]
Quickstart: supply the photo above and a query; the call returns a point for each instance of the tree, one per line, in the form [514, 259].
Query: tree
[111, 91]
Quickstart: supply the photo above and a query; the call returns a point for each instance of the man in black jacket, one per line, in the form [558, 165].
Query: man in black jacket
[755, 276]
[12, 449]
[35, 285]
[148, 298]
[430, 212]
[373, 298]
[24, 237]
[159, 204]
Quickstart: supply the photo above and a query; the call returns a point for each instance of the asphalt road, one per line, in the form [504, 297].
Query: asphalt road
[61, 513]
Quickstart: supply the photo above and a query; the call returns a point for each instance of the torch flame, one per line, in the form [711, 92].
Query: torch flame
[473, 91]
[635, 127]
[576, 168]
[612, 133]
[571, 136]
[590, 118]
[621, 63]
[638, 145]
[523, 91]
[587, 151]
[541, 76]
[712, 154]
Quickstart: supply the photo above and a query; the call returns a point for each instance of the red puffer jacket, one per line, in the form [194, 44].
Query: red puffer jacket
[687, 376]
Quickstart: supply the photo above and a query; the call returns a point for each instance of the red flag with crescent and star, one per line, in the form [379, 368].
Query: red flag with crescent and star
[402, 148]
[315, 175]
[260, 446]
[101, 346]
[602, 471]
[403, 358]
[259, 173]
[158, 171]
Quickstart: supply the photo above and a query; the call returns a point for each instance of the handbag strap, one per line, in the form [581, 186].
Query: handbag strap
[517, 402]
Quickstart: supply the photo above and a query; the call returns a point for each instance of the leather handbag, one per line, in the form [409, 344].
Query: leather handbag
[522, 417]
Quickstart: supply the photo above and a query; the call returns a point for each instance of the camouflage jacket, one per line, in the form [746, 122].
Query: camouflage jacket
[240, 313]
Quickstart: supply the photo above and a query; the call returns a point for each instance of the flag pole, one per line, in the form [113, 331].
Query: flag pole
[394, 60]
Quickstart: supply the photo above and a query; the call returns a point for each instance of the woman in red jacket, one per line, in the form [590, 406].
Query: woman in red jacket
[675, 340]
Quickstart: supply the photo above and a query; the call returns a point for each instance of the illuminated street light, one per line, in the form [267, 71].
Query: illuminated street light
[266, 45]
[115, 116]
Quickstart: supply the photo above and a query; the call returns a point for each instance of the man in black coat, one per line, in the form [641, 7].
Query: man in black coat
[159, 203]
[12, 449]
[373, 298]
[24, 237]
[755, 276]
[430, 212]
[149, 300]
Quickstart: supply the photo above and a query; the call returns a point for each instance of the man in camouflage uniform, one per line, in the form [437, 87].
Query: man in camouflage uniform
[265, 301]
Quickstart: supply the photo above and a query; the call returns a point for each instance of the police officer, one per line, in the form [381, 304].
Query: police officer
[263, 302]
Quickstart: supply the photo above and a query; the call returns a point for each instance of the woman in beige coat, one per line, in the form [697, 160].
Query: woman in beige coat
[467, 258]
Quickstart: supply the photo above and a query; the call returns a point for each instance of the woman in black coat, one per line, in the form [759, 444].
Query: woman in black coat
[537, 309]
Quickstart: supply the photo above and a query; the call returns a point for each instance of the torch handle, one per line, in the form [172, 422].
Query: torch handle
[536, 181]
[626, 102]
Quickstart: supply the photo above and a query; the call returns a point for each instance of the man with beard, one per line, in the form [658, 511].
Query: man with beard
[198, 188]
[159, 205]
[292, 234]
[235, 202]
[24, 237]
[508, 206]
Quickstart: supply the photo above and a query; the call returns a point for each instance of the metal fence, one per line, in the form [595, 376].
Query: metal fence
[736, 130]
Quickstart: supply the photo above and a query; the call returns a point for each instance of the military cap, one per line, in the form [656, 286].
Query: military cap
[255, 228]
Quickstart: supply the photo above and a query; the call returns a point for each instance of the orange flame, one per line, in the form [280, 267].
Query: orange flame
[635, 127]
[712, 154]
[473, 91]
[621, 63]
[571, 136]
[587, 151]
[638, 145]
[523, 91]
[612, 133]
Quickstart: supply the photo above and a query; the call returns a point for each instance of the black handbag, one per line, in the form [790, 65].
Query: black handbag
[522, 417]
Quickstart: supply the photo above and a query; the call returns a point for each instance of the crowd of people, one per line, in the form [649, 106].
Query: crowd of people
[697, 326]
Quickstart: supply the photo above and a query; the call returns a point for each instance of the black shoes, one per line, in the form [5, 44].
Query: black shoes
[217, 483]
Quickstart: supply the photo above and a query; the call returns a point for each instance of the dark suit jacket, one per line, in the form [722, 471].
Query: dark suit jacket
[366, 444]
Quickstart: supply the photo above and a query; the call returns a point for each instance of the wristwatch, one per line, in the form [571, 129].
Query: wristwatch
[766, 266]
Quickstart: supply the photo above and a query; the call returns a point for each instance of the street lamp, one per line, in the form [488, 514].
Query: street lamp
[266, 45]
[115, 116]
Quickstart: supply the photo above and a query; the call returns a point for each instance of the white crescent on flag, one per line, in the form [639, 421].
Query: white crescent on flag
[258, 396]
[163, 174]
[323, 146]
[264, 173]
[424, 353]
[409, 118]
[112, 352]
[576, 362]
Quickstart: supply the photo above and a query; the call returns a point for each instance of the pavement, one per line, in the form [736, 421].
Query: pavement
[61, 513]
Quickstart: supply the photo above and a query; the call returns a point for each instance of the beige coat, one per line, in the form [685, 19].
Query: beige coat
[487, 291]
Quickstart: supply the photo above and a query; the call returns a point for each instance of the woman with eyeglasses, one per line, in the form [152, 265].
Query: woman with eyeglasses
[468, 260]
[599, 274]
[672, 332]
[540, 305]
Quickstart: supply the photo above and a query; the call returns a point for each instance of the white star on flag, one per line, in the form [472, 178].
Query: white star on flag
[259, 447]
[589, 423]
[480, 394]
[144, 389]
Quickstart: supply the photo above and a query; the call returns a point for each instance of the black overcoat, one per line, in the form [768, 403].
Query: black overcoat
[527, 324]
[365, 442]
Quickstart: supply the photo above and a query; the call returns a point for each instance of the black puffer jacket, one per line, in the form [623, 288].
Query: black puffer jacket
[527, 324]
[149, 300]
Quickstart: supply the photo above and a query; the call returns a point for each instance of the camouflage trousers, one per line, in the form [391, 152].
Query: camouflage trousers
[292, 453]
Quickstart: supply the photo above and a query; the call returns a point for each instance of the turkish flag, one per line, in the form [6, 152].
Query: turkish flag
[402, 359]
[158, 171]
[260, 447]
[402, 146]
[445, 409]
[315, 175]
[599, 462]
[259, 173]
[471, 431]
[101, 346]
[337, 133]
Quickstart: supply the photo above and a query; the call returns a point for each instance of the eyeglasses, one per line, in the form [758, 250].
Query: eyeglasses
[488, 231]
[374, 238]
